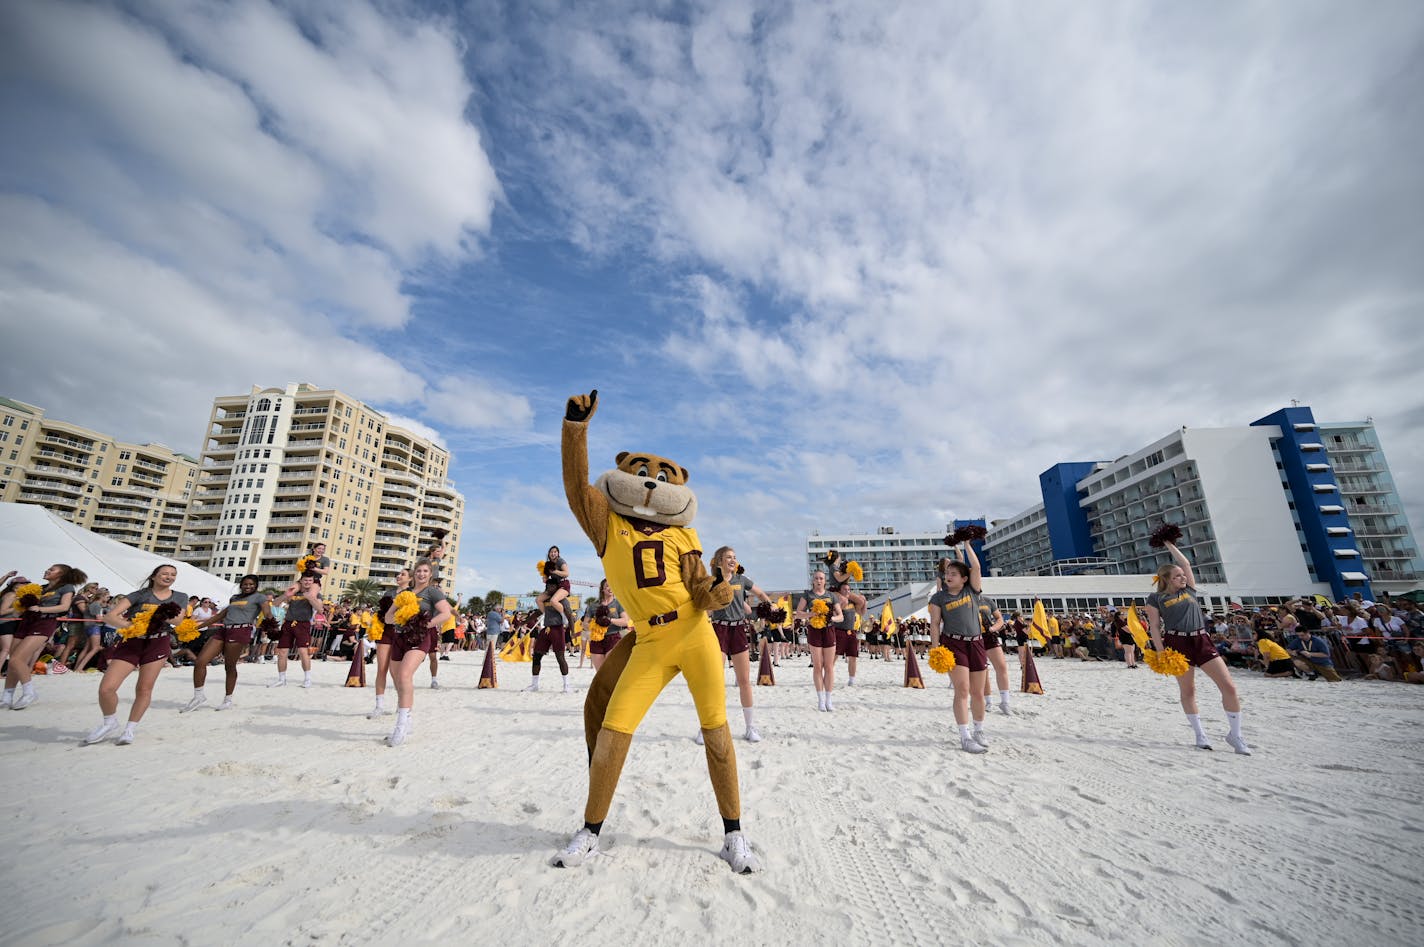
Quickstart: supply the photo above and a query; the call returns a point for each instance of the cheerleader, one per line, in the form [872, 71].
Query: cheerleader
[556, 582]
[553, 636]
[9, 615]
[411, 641]
[840, 579]
[305, 599]
[954, 619]
[1124, 638]
[1174, 619]
[821, 636]
[733, 625]
[991, 620]
[147, 652]
[847, 641]
[605, 611]
[238, 620]
[315, 561]
[39, 615]
[383, 646]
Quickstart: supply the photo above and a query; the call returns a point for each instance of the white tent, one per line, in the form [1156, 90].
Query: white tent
[32, 539]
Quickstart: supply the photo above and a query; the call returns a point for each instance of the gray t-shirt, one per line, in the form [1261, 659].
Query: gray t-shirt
[53, 598]
[614, 610]
[549, 567]
[986, 612]
[1181, 612]
[244, 609]
[736, 610]
[811, 598]
[299, 609]
[138, 599]
[958, 614]
[430, 598]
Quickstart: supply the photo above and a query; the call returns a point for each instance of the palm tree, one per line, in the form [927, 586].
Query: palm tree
[363, 592]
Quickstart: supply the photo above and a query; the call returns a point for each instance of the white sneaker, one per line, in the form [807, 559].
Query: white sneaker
[753, 735]
[1202, 744]
[1238, 744]
[568, 688]
[968, 745]
[1004, 708]
[279, 682]
[532, 688]
[737, 852]
[398, 735]
[306, 682]
[198, 700]
[125, 738]
[379, 711]
[583, 846]
[5, 699]
[698, 739]
[435, 683]
[100, 733]
[830, 707]
[23, 700]
[979, 738]
[226, 704]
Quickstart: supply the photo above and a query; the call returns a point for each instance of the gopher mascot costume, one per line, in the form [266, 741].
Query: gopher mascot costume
[638, 518]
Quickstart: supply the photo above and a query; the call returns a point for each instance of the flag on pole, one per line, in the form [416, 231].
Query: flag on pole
[1038, 625]
[1137, 630]
[887, 619]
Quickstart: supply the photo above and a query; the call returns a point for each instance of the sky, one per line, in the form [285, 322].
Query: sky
[851, 264]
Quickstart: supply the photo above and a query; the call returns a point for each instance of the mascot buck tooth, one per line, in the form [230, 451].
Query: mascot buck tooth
[638, 517]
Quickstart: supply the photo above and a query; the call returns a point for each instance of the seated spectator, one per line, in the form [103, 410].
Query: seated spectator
[1277, 659]
[1311, 654]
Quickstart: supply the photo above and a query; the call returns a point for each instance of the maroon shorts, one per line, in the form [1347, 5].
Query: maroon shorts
[847, 644]
[550, 638]
[731, 637]
[234, 634]
[404, 642]
[821, 637]
[551, 587]
[1197, 649]
[138, 651]
[609, 642]
[968, 652]
[31, 625]
[991, 640]
[295, 634]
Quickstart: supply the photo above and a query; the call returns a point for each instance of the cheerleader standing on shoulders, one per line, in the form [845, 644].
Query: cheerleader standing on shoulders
[954, 618]
[552, 637]
[992, 621]
[40, 610]
[383, 644]
[145, 614]
[821, 610]
[733, 626]
[413, 639]
[607, 614]
[305, 599]
[556, 581]
[238, 620]
[1174, 619]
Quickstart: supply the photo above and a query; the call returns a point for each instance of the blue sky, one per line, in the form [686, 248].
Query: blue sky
[852, 264]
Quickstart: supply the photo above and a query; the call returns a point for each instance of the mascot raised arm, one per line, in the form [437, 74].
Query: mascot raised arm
[638, 517]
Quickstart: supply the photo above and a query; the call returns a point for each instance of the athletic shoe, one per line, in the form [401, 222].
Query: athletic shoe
[23, 700]
[830, 707]
[444, 657]
[1203, 745]
[979, 738]
[753, 735]
[306, 682]
[532, 688]
[5, 700]
[1004, 708]
[583, 846]
[378, 712]
[970, 745]
[398, 735]
[737, 852]
[198, 700]
[100, 733]
[279, 682]
[434, 683]
[1238, 744]
[697, 738]
[125, 738]
[568, 688]
[226, 704]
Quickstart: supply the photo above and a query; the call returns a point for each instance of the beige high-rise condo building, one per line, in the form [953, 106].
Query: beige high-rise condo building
[282, 468]
[135, 493]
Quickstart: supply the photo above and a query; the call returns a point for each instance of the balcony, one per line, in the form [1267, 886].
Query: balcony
[303, 412]
[1374, 509]
[287, 521]
[308, 427]
[85, 446]
[295, 491]
[397, 489]
[295, 466]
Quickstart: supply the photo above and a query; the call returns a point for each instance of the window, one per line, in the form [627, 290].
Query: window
[121, 468]
[116, 482]
[124, 455]
[249, 531]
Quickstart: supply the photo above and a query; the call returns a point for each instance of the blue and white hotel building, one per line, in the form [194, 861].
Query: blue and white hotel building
[1283, 506]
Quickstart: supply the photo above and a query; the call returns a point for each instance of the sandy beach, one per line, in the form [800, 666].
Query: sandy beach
[1092, 819]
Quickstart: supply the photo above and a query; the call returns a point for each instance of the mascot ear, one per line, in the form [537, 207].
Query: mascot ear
[685, 475]
[618, 461]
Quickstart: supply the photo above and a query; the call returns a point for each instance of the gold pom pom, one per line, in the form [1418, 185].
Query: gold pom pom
[597, 631]
[305, 563]
[1171, 663]
[138, 625]
[540, 566]
[820, 613]
[941, 659]
[187, 630]
[407, 607]
[30, 589]
[376, 628]
[854, 570]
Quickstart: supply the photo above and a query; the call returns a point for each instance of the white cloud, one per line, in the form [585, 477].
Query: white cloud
[473, 403]
[418, 428]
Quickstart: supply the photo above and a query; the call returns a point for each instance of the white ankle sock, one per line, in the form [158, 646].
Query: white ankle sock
[402, 715]
[197, 692]
[747, 713]
[1195, 721]
[112, 718]
[9, 694]
[27, 688]
[850, 681]
[131, 728]
[821, 700]
[1233, 720]
[380, 700]
[1003, 697]
[964, 732]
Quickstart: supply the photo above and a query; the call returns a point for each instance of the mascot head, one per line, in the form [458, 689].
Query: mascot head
[649, 487]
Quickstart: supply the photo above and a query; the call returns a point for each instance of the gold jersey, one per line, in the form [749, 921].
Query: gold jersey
[644, 567]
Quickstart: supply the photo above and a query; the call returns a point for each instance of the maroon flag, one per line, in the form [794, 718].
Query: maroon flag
[488, 678]
[356, 677]
[1030, 672]
[765, 677]
[912, 667]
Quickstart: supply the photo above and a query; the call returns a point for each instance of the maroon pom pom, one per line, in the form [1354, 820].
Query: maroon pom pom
[971, 533]
[831, 557]
[439, 533]
[602, 615]
[777, 616]
[1166, 533]
[384, 606]
[164, 614]
[27, 601]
